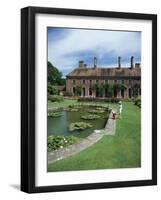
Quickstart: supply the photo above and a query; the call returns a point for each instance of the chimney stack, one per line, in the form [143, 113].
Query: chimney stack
[137, 65]
[81, 64]
[132, 62]
[95, 62]
[119, 62]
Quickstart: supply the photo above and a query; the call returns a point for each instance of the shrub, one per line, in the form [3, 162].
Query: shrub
[52, 90]
[110, 100]
[57, 142]
[137, 102]
[55, 98]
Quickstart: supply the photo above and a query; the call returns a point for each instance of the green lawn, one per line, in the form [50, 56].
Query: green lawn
[68, 102]
[64, 103]
[119, 151]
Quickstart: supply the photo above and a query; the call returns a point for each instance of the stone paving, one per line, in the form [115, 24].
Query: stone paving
[59, 154]
[110, 127]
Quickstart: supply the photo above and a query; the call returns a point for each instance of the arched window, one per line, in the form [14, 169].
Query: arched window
[84, 92]
[130, 92]
[90, 92]
[74, 90]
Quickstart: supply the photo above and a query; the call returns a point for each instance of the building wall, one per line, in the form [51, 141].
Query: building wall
[86, 83]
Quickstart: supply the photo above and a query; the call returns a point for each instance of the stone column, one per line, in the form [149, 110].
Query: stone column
[119, 94]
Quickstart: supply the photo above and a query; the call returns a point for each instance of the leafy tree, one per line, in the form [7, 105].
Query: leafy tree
[54, 75]
[52, 90]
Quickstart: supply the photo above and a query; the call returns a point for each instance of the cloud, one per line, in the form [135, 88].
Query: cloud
[67, 46]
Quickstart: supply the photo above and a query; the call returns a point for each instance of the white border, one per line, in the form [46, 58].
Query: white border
[94, 176]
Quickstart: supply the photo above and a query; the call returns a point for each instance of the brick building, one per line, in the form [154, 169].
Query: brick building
[124, 81]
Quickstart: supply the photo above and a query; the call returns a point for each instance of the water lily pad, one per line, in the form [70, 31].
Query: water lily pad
[96, 111]
[55, 114]
[79, 126]
[90, 117]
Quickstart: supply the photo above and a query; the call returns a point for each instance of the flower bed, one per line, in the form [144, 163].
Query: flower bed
[58, 142]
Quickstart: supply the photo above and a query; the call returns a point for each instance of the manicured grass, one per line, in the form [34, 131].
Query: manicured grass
[119, 151]
[64, 103]
[68, 102]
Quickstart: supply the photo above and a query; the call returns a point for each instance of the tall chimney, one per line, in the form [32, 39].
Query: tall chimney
[119, 62]
[132, 62]
[95, 62]
[81, 64]
[137, 65]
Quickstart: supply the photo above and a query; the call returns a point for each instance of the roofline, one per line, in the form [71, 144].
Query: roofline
[103, 77]
[115, 67]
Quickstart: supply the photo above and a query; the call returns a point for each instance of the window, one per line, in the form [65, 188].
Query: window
[115, 81]
[84, 81]
[74, 90]
[106, 81]
[97, 81]
[73, 81]
[90, 81]
[139, 91]
[130, 81]
[122, 81]
[90, 92]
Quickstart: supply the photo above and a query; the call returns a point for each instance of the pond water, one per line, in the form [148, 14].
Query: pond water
[59, 125]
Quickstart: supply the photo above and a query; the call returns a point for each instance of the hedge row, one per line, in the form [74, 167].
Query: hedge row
[111, 100]
[55, 98]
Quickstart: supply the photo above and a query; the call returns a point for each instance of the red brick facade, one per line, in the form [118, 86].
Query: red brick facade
[88, 79]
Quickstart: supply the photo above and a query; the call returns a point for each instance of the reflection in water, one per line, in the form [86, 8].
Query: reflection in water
[59, 125]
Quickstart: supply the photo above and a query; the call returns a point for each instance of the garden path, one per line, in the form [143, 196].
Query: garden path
[59, 154]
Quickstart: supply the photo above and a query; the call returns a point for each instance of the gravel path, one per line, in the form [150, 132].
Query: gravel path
[84, 143]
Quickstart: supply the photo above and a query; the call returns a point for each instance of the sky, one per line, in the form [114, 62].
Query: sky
[66, 46]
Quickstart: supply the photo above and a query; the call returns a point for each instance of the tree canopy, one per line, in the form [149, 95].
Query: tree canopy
[54, 75]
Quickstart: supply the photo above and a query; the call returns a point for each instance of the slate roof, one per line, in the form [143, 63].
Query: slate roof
[101, 72]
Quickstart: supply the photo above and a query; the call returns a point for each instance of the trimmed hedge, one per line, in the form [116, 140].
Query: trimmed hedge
[55, 98]
[110, 100]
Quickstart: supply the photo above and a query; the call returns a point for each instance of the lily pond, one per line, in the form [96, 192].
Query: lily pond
[62, 122]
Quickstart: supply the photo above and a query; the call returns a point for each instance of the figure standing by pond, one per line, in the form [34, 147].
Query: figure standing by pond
[120, 110]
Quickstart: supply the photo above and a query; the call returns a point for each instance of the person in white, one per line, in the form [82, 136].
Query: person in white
[120, 109]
